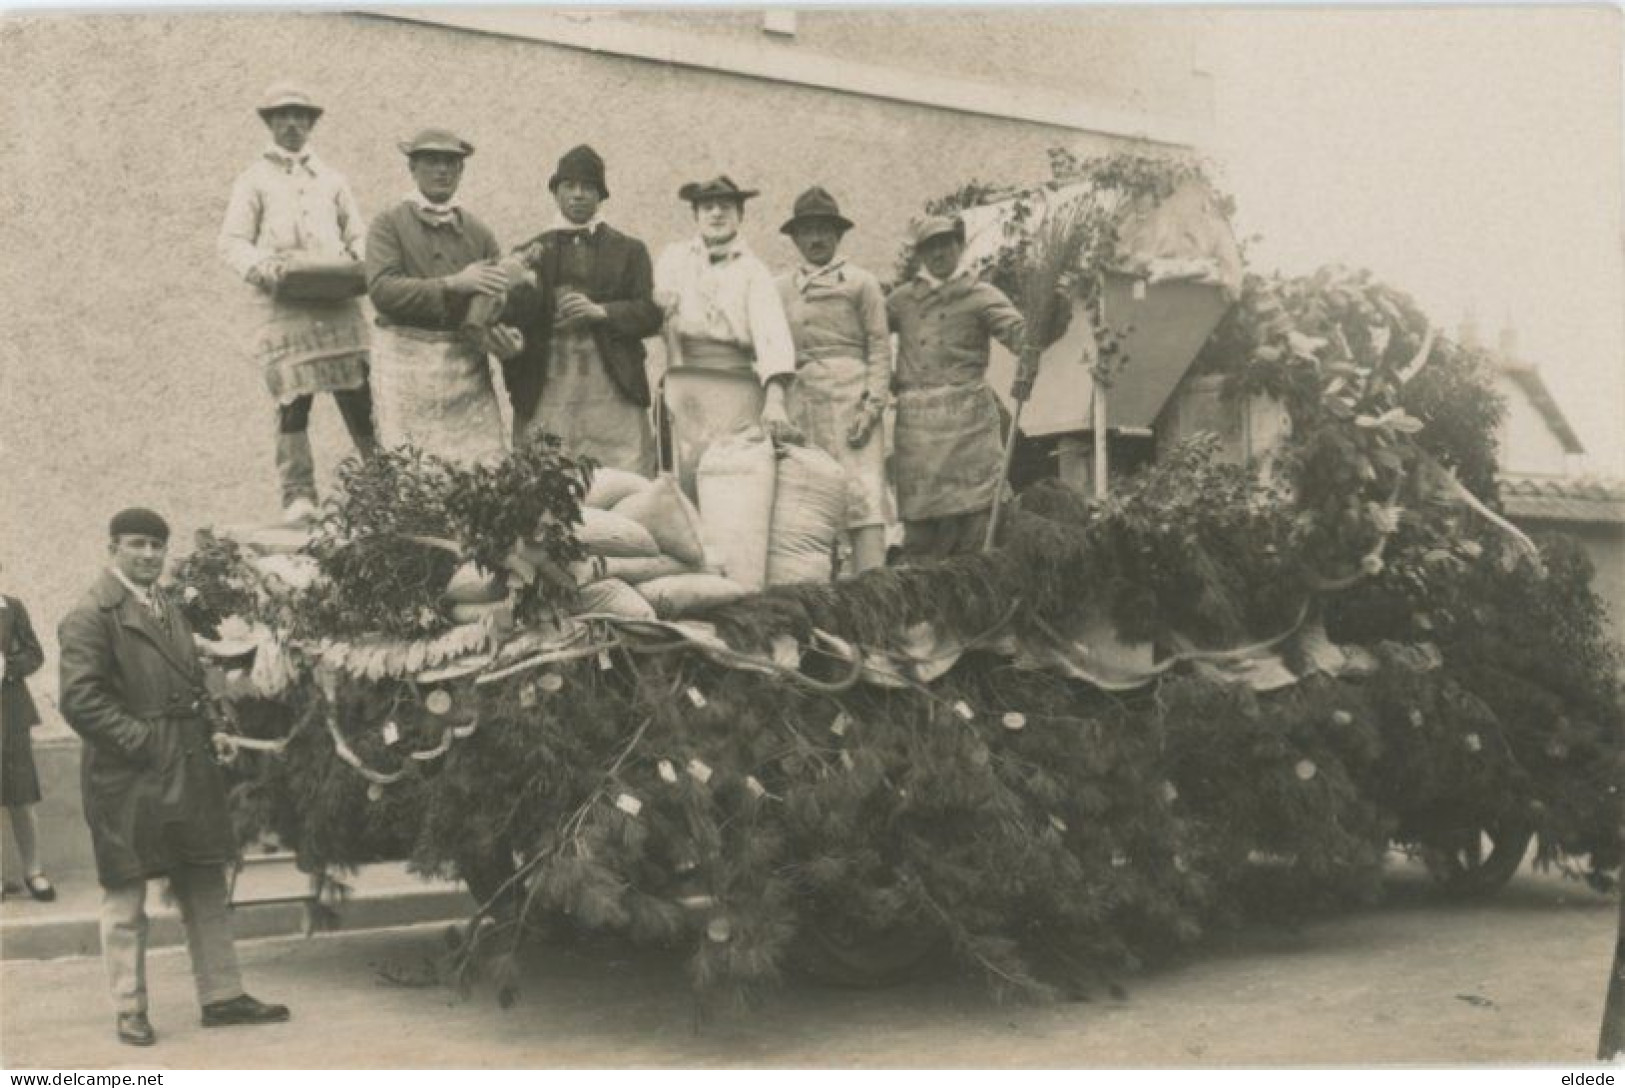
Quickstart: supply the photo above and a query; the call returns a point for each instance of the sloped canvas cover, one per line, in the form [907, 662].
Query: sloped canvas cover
[1178, 269]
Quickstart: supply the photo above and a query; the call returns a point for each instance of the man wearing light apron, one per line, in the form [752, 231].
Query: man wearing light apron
[290, 206]
[428, 258]
[728, 347]
[837, 316]
[949, 452]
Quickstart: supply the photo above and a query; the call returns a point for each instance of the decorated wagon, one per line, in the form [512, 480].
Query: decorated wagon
[1202, 696]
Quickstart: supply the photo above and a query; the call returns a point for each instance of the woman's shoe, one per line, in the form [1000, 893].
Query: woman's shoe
[39, 887]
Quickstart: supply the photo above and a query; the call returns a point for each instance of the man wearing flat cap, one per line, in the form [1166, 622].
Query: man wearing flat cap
[728, 346]
[291, 212]
[581, 374]
[428, 261]
[949, 453]
[155, 800]
[837, 316]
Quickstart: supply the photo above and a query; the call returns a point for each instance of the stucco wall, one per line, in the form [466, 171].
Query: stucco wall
[121, 374]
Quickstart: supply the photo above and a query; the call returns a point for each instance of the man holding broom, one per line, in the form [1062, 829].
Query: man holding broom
[949, 461]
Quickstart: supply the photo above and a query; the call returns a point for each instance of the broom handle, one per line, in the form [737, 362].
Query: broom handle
[1020, 390]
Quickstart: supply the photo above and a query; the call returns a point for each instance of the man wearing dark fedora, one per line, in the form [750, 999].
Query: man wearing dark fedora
[154, 798]
[428, 259]
[837, 316]
[728, 348]
[581, 373]
[290, 206]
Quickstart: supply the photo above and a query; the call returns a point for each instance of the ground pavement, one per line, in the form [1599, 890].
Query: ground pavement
[1518, 979]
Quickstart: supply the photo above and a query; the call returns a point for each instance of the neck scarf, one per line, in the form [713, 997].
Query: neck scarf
[447, 214]
[289, 161]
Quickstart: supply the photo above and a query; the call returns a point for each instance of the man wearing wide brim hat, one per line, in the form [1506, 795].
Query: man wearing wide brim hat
[728, 345]
[949, 453]
[291, 212]
[837, 316]
[581, 375]
[429, 260]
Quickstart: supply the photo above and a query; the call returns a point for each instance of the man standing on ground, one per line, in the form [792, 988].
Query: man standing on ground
[155, 800]
[581, 374]
[290, 206]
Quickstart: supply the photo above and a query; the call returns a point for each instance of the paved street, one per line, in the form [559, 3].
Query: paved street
[1519, 979]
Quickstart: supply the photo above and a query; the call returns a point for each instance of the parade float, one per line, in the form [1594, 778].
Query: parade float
[1217, 691]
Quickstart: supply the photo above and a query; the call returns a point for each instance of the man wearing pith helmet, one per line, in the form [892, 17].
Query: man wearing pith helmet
[154, 798]
[728, 346]
[291, 214]
[837, 316]
[581, 374]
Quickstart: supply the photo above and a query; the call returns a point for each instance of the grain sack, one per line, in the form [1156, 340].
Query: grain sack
[610, 485]
[636, 570]
[615, 597]
[604, 532]
[671, 519]
[470, 584]
[680, 595]
[809, 512]
[735, 486]
[592, 569]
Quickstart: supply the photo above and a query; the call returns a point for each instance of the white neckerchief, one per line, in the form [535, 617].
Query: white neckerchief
[145, 596]
[722, 252]
[449, 212]
[807, 273]
[932, 283]
[290, 161]
[566, 226]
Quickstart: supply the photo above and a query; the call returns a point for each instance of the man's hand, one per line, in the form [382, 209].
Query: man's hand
[481, 278]
[575, 308]
[775, 419]
[863, 425]
[268, 274]
[504, 341]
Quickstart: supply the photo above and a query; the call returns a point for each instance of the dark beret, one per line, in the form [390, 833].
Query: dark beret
[138, 521]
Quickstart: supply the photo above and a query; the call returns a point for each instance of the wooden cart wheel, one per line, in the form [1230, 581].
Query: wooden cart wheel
[1476, 863]
[837, 952]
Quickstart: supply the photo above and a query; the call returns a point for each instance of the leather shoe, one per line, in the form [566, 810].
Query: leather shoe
[242, 1009]
[39, 887]
[135, 1030]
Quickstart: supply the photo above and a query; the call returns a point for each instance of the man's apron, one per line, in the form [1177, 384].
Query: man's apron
[823, 403]
[311, 347]
[714, 393]
[948, 452]
[434, 391]
[581, 405]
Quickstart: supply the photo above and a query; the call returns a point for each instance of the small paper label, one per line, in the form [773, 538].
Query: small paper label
[550, 681]
[375, 792]
[629, 804]
[701, 773]
[1015, 720]
[392, 733]
[755, 787]
[667, 771]
[846, 760]
[438, 702]
[527, 694]
[962, 708]
[840, 725]
[695, 697]
[1057, 823]
[1305, 769]
[604, 661]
